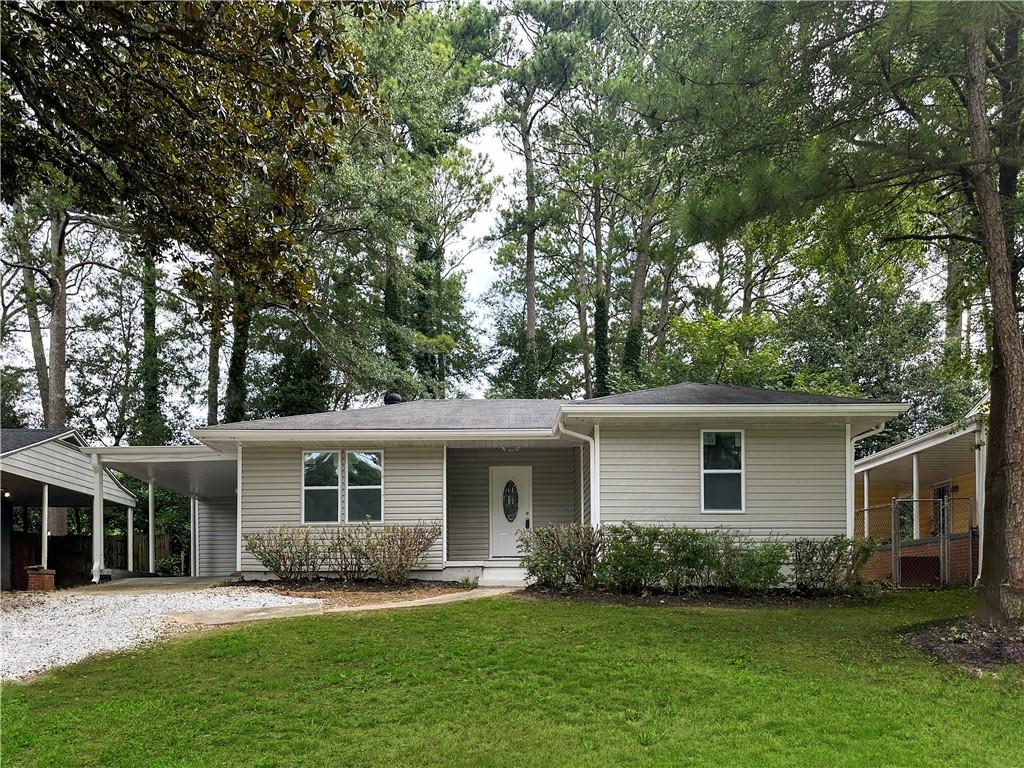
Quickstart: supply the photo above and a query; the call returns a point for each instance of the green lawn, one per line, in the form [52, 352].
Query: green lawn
[510, 681]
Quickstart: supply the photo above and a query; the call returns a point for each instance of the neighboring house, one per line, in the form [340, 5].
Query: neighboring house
[43, 468]
[922, 481]
[764, 462]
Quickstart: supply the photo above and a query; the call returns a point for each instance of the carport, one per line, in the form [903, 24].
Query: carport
[209, 479]
[46, 468]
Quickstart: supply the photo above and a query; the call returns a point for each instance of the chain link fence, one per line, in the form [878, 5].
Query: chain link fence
[925, 542]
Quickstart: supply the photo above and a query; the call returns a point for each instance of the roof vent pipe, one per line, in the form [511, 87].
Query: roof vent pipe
[392, 398]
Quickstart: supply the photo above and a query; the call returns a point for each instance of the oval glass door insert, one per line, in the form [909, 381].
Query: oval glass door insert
[510, 501]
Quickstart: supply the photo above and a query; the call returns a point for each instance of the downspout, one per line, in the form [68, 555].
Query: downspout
[595, 491]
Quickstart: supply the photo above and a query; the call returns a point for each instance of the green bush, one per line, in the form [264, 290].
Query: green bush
[393, 551]
[757, 567]
[633, 561]
[557, 556]
[692, 558]
[344, 550]
[824, 566]
[292, 554]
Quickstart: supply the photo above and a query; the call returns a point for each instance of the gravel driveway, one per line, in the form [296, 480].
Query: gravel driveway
[43, 631]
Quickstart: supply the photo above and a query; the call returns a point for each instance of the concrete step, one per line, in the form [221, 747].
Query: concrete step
[502, 576]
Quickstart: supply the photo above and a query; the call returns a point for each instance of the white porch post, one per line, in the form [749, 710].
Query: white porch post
[238, 510]
[192, 536]
[131, 538]
[151, 530]
[867, 503]
[45, 558]
[97, 519]
[917, 495]
[595, 479]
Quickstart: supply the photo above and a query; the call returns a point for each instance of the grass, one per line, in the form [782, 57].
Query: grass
[511, 681]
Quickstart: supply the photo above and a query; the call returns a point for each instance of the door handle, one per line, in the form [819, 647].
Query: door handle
[527, 523]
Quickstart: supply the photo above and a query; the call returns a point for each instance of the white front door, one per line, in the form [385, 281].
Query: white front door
[511, 508]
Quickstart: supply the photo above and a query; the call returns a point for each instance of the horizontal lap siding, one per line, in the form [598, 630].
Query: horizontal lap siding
[469, 493]
[272, 489]
[58, 463]
[795, 479]
[218, 536]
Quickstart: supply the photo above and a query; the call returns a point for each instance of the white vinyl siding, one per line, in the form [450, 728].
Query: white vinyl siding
[795, 478]
[218, 529]
[272, 489]
[469, 493]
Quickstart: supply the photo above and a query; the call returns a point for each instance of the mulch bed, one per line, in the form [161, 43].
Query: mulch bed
[709, 598]
[970, 645]
[336, 593]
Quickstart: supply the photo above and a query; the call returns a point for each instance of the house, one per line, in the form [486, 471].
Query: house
[927, 489]
[705, 456]
[45, 468]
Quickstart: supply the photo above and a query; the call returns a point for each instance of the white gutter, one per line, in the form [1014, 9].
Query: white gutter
[914, 445]
[851, 472]
[595, 474]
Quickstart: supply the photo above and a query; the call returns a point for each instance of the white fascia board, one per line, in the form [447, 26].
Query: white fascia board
[158, 453]
[915, 445]
[368, 436]
[881, 410]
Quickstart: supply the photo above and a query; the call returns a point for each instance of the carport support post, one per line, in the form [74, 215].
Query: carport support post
[45, 558]
[151, 530]
[867, 503]
[97, 519]
[131, 538]
[917, 495]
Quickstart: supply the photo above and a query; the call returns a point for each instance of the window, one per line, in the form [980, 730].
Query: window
[321, 488]
[365, 487]
[721, 469]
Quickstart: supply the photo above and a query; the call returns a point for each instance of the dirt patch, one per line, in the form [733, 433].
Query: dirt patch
[970, 645]
[712, 599]
[337, 594]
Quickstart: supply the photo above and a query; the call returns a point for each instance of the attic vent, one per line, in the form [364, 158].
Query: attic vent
[392, 398]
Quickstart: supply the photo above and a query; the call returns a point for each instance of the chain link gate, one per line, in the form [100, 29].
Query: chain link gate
[926, 542]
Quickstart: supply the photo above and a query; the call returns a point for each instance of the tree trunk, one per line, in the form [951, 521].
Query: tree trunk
[1004, 501]
[531, 367]
[601, 355]
[581, 307]
[632, 351]
[213, 370]
[236, 396]
[664, 310]
[152, 429]
[58, 369]
[35, 333]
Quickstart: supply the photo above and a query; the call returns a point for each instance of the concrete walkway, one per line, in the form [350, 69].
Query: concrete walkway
[151, 585]
[240, 615]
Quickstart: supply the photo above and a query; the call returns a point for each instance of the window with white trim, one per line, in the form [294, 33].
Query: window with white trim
[365, 494]
[721, 469]
[321, 487]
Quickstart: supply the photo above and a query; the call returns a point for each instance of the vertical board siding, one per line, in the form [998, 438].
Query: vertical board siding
[795, 478]
[469, 493]
[272, 489]
[218, 529]
[59, 463]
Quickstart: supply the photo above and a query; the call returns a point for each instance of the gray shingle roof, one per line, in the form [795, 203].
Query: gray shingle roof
[717, 394]
[421, 414]
[13, 439]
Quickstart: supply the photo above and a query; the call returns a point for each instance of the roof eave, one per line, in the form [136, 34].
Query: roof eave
[366, 435]
[918, 444]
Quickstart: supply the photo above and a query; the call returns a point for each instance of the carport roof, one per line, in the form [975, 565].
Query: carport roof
[191, 470]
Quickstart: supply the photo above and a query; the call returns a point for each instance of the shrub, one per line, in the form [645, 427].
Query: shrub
[828, 565]
[633, 561]
[392, 551]
[692, 558]
[555, 556]
[292, 554]
[345, 552]
[747, 565]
